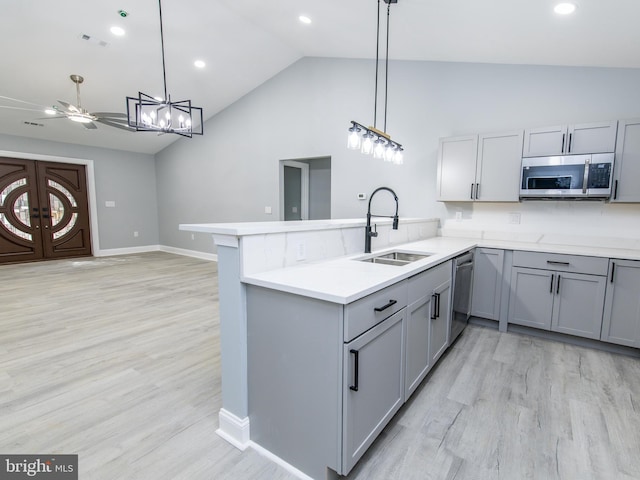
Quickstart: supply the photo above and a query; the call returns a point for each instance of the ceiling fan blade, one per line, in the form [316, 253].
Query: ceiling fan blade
[110, 123]
[68, 106]
[20, 108]
[109, 115]
[90, 125]
[22, 101]
[52, 117]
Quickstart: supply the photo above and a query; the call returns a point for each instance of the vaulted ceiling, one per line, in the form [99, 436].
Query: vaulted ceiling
[246, 42]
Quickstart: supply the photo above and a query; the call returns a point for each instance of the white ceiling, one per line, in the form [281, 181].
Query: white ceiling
[246, 42]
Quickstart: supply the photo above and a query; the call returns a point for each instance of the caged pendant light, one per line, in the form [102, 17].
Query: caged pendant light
[370, 140]
[146, 113]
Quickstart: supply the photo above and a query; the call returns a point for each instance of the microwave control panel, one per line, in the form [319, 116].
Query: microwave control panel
[599, 175]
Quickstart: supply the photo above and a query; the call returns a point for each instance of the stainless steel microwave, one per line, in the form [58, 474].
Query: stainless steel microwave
[567, 176]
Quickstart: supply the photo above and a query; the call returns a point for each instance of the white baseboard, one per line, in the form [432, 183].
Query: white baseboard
[276, 459]
[233, 429]
[127, 251]
[190, 253]
[212, 257]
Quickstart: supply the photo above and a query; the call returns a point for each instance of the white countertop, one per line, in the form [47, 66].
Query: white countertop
[344, 280]
[260, 228]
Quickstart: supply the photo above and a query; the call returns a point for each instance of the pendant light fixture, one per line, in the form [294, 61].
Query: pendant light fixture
[146, 113]
[370, 140]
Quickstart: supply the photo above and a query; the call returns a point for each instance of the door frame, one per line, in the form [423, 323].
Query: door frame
[304, 193]
[91, 187]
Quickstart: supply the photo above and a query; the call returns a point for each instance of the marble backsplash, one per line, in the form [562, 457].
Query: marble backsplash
[272, 251]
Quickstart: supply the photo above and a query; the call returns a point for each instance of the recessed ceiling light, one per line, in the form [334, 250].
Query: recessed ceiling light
[199, 64]
[304, 19]
[564, 8]
[117, 31]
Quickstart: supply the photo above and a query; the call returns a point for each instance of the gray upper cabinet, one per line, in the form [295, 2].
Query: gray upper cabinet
[498, 167]
[570, 139]
[487, 283]
[621, 322]
[480, 167]
[456, 176]
[626, 173]
[562, 293]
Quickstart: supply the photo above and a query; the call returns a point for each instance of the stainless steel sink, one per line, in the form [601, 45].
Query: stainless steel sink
[397, 258]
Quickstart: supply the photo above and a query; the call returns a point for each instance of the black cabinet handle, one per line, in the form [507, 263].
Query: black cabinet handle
[613, 269]
[570, 135]
[558, 287]
[615, 190]
[551, 286]
[472, 191]
[384, 307]
[562, 149]
[434, 301]
[553, 262]
[477, 191]
[437, 305]
[356, 354]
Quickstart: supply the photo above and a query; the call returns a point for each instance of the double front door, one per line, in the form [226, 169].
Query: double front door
[44, 212]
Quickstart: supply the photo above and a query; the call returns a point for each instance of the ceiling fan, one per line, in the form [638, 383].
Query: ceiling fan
[76, 113]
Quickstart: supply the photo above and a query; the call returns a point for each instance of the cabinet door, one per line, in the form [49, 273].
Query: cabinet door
[621, 322]
[456, 175]
[578, 304]
[498, 167]
[487, 283]
[539, 142]
[417, 359]
[626, 172]
[440, 321]
[592, 138]
[374, 385]
[531, 299]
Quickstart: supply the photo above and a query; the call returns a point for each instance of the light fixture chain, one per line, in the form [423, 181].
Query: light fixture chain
[375, 100]
[386, 70]
[164, 71]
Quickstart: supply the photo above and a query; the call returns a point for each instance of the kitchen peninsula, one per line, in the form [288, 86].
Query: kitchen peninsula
[292, 300]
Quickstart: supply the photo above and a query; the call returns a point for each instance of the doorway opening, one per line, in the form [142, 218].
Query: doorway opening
[305, 189]
[44, 210]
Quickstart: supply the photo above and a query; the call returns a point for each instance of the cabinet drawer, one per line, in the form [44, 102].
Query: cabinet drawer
[367, 312]
[423, 283]
[561, 262]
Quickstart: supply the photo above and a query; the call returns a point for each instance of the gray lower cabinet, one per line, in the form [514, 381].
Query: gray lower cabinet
[621, 322]
[560, 300]
[374, 385]
[440, 321]
[487, 283]
[426, 332]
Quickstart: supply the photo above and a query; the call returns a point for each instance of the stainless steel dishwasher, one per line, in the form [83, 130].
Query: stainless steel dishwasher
[462, 284]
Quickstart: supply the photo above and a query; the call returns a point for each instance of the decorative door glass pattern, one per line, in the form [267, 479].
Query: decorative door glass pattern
[20, 209]
[44, 210]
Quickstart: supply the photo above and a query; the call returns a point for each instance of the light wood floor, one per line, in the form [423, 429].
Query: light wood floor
[117, 359]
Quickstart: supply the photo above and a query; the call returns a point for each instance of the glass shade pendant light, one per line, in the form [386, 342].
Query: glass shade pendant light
[372, 140]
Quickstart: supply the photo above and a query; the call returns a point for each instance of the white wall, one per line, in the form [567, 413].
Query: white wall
[231, 173]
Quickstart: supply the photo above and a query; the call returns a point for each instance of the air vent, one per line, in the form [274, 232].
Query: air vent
[94, 40]
[34, 124]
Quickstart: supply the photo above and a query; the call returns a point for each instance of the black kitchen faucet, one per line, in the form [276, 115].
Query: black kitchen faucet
[368, 233]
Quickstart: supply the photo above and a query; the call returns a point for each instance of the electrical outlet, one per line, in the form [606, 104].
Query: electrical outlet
[458, 216]
[514, 218]
[362, 196]
[267, 210]
[135, 234]
[110, 204]
[193, 236]
[301, 251]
